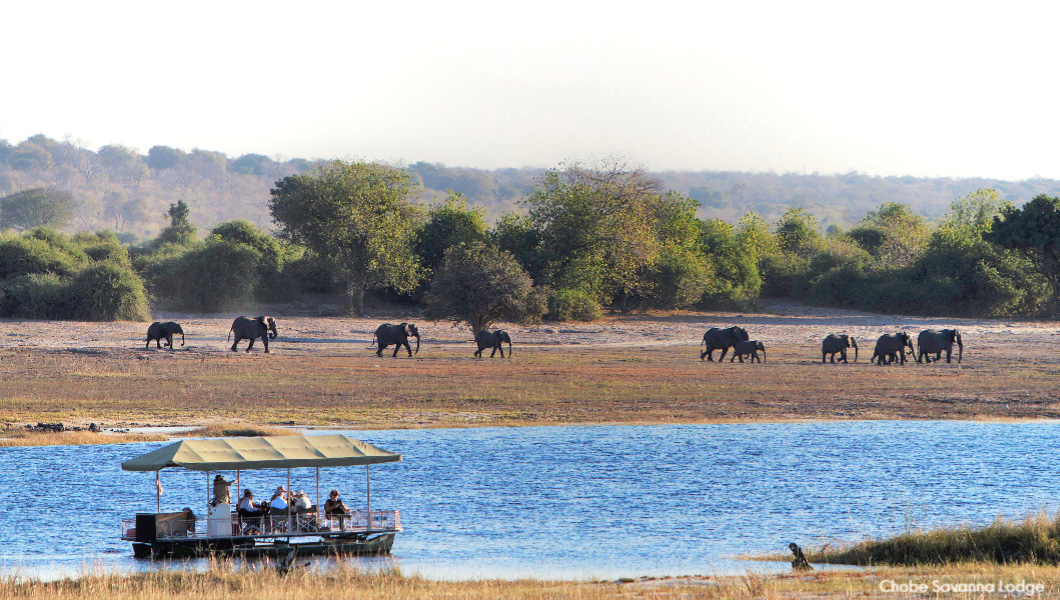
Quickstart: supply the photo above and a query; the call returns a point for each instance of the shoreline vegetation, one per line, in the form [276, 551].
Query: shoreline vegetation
[263, 582]
[1032, 540]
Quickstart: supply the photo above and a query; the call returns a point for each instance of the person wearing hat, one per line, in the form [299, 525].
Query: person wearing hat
[301, 503]
[220, 490]
[335, 508]
[279, 499]
[249, 512]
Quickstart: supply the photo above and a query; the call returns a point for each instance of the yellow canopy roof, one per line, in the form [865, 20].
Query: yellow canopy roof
[272, 452]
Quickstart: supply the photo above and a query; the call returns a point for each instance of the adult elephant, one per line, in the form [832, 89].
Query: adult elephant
[398, 335]
[937, 341]
[721, 339]
[891, 347]
[838, 344]
[159, 331]
[493, 339]
[751, 348]
[253, 328]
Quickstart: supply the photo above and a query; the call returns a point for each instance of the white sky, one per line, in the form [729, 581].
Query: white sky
[889, 88]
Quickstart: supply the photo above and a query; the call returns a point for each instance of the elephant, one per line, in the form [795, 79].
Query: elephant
[723, 339]
[398, 335]
[838, 344]
[891, 348]
[493, 339]
[253, 328]
[937, 341]
[159, 331]
[742, 349]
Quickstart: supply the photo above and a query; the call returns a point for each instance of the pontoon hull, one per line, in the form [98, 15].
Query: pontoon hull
[248, 548]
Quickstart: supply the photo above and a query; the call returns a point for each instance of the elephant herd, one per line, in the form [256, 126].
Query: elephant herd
[264, 327]
[890, 348]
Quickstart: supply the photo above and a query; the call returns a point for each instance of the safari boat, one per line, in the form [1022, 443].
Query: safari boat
[223, 531]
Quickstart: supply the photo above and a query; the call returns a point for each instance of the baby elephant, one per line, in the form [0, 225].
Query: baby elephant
[492, 339]
[157, 331]
[752, 347]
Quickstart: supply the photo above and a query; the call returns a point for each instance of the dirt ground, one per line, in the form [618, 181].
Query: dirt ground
[623, 369]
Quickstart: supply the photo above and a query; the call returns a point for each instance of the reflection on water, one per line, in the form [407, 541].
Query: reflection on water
[576, 502]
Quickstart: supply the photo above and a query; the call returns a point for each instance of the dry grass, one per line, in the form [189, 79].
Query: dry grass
[222, 581]
[23, 437]
[541, 386]
[237, 430]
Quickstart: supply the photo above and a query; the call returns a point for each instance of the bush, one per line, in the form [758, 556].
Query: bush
[572, 305]
[28, 255]
[37, 296]
[108, 291]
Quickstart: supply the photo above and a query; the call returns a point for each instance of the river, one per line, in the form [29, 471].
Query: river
[577, 502]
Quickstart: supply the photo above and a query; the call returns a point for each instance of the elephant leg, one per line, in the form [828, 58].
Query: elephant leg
[251, 344]
[949, 354]
[824, 356]
[494, 352]
[843, 355]
[379, 352]
[501, 348]
[478, 353]
[709, 354]
[236, 343]
[723, 352]
[157, 343]
[265, 342]
[408, 348]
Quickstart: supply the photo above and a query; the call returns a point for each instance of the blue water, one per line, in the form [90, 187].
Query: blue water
[578, 502]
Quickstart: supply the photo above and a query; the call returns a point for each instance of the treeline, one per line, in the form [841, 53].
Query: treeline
[584, 240]
[125, 190]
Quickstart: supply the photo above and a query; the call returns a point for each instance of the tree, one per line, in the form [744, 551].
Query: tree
[1034, 231]
[357, 215]
[163, 157]
[479, 285]
[36, 207]
[122, 163]
[597, 228]
[180, 230]
[449, 223]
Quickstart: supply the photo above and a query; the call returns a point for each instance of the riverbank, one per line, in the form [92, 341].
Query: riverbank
[638, 369]
[264, 583]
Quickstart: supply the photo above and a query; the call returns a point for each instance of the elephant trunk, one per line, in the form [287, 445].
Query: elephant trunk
[182, 339]
[417, 344]
[855, 352]
[510, 348]
[960, 350]
[763, 351]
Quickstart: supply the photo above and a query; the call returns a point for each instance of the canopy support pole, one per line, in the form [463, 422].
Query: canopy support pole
[368, 493]
[239, 494]
[208, 491]
[158, 490]
[290, 509]
[316, 499]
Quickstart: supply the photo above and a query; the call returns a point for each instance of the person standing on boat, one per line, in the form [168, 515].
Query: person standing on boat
[220, 490]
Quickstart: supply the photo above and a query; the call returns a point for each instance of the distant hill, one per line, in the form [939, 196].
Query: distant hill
[119, 188]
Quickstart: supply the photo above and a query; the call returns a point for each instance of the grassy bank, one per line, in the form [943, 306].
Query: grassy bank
[540, 386]
[265, 584]
[23, 437]
[236, 430]
[1036, 539]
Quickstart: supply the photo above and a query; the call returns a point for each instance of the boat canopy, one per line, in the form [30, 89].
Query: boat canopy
[271, 452]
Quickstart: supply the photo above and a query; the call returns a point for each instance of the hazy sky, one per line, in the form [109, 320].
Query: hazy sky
[888, 88]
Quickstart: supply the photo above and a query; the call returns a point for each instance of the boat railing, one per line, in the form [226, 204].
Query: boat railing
[311, 523]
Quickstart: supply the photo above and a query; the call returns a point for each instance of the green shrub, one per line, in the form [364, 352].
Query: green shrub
[37, 296]
[108, 291]
[28, 255]
[572, 305]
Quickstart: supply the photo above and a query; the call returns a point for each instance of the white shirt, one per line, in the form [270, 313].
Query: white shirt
[302, 503]
[247, 504]
[279, 503]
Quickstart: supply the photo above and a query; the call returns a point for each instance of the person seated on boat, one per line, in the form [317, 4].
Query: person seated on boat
[188, 521]
[249, 512]
[301, 503]
[220, 491]
[278, 508]
[334, 507]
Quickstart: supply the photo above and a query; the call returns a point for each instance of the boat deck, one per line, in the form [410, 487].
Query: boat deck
[358, 523]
